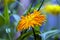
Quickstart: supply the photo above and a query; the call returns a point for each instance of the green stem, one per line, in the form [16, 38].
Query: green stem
[9, 36]
[29, 7]
[34, 33]
[41, 5]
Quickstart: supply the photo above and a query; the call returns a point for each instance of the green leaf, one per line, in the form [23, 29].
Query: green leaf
[2, 39]
[35, 8]
[25, 35]
[56, 37]
[38, 1]
[2, 21]
[8, 2]
[37, 28]
[48, 34]
[6, 15]
[38, 37]
[28, 10]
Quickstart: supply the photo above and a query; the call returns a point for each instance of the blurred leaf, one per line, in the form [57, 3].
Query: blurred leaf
[56, 38]
[35, 7]
[37, 32]
[6, 14]
[31, 9]
[38, 1]
[2, 39]
[28, 10]
[47, 1]
[8, 2]
[27, 34]
[38, 5]
[48, 34]
[37, 28]
[38, 37]
[2, 21]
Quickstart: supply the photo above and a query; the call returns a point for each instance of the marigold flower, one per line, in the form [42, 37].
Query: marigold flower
[54, 9]
[30, 20]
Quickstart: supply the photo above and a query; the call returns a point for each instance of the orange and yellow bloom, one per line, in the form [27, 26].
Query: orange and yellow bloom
[30, 20]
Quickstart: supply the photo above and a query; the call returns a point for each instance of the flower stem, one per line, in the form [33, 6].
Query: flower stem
[41, 4]
[34, 33]
[9, 36]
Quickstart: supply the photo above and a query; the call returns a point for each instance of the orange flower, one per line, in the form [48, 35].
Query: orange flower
[30, 20]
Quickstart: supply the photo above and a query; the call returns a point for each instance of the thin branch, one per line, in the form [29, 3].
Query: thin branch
[41, 4]
[34, 33]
